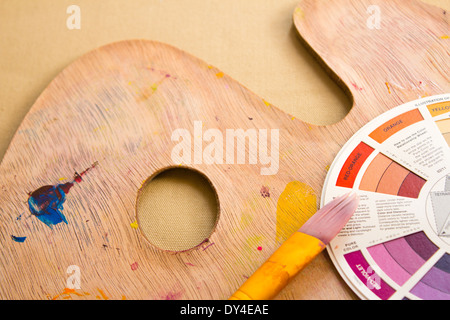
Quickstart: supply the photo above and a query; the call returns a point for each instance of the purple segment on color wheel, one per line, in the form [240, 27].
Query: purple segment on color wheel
[368, 277]
[404, 255]
[436, 283]
[420, 243]
[437, 279]
[425, 292]
[439, 276]
[400, 258]
[444, 263]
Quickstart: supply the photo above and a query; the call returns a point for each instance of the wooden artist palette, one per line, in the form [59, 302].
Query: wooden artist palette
[111, 116]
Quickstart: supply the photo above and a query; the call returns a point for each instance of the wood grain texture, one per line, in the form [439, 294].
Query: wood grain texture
[118, 106]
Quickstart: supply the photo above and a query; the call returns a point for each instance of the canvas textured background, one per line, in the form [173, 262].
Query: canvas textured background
[253, 41]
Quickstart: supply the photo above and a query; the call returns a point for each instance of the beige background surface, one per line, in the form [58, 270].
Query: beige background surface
[253, 41]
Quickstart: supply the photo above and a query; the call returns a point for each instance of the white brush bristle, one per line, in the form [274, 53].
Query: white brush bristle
[326, 223]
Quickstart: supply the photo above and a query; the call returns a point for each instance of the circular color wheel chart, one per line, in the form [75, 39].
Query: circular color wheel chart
[397, 244]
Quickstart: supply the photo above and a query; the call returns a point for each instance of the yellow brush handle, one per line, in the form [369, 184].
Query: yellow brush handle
[291, 257]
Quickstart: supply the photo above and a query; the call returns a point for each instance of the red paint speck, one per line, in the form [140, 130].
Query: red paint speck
[134, 266]
[356, 87]
[174, 296]
[259, 248]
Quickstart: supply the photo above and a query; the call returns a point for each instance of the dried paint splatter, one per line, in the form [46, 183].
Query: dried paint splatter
[18, 239]
[265, 193]
[102, 295]
[20, 216]
[173, 296]
[299, 12]
[388, 87]
[356, 86]
[46, 203]
[134, 225]
[209, 245]
[147, 92]
[69, 293]
[134, 266]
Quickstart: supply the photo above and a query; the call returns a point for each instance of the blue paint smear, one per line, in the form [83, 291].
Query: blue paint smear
[18, 239]
[46, 203]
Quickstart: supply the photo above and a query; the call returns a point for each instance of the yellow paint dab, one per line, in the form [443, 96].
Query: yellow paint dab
[220, 75]
[254, 241]
[296, 204]
[299, 12]
[266, 103]
[444, 37]
[134, 225]
[99, 128]
[246, 220]
[154, 87]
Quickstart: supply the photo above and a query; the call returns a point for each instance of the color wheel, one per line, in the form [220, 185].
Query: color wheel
[397, 244]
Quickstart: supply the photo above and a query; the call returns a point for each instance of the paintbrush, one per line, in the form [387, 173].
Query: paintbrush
[298, 250]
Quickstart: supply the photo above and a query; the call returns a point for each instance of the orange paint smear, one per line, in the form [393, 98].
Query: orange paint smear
[103, 294]
[69, 293]
[388, 87]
